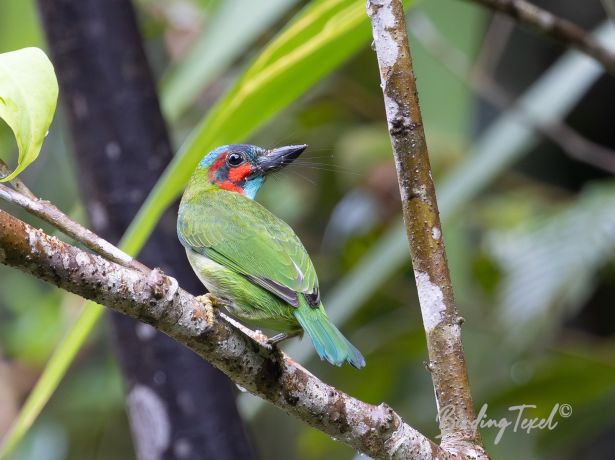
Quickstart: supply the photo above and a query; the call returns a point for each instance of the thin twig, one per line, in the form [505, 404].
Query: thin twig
[555, 27]
[16, 182]
[155, 298]
[52, 215]
[494, 41]
[570, 141]
[421, 217]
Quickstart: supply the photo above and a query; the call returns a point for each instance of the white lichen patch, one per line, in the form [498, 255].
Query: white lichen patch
[383, 20]
[66, 261]
[32, 239]
[82, 259]
[391, 107]
[421, 192]
[149, 422]
[38, 243]
[431, 299]
[452, 335]
[395, 114]
[436, 233]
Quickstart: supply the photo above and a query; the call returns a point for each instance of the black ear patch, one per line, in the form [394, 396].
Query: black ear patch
[313, 298]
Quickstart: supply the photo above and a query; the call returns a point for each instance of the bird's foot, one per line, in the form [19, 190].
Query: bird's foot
[260, 337]
[210, 303]
[281, 337]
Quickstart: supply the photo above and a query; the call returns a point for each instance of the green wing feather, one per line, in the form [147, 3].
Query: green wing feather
[240, 234]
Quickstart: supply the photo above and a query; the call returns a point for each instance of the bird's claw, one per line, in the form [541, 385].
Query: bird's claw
[260, 337]
[281, 337]
[276, 339]
[209, 302]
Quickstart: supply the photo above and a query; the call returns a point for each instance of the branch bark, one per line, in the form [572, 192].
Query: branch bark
[52, 215]
[420, 211]
[156, 299]
[559, 29]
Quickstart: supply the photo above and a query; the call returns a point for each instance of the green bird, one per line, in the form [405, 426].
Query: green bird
[251, 261]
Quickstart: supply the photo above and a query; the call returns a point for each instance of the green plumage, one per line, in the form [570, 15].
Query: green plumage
[255, 264]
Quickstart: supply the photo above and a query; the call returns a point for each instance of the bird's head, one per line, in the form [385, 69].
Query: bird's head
[243, 168]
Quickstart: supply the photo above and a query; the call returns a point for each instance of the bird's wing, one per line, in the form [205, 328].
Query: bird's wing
[242, 235]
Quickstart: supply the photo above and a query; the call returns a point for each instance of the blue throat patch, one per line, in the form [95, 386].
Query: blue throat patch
[252, 186]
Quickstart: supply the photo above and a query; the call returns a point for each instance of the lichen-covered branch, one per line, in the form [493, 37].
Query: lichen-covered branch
[157, 299]
[420, 211]
[48, 212]
[559, 29]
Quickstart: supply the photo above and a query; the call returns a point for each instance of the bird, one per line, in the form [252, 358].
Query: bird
[251, 261]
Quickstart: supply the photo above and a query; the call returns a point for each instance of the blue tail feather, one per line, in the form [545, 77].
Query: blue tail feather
[328, 341]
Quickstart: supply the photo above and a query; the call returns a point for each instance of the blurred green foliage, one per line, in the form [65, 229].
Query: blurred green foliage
[504, 246]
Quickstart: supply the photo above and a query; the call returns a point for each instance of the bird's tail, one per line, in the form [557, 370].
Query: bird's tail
[328, 341]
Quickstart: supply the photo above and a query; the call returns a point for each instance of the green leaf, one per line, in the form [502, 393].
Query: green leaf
[28, 97]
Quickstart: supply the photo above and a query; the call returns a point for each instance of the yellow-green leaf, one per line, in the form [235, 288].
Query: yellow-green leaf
[28, 97]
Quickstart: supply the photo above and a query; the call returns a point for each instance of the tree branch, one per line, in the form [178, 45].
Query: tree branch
[420, 211]
[16, 182]
[156, 299]
[559, 29]
[569, 140]
[48, 212]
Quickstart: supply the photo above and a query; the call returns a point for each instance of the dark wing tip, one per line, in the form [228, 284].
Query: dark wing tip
[313, 298]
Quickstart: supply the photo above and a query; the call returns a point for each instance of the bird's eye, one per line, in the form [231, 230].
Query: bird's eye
[235, 159]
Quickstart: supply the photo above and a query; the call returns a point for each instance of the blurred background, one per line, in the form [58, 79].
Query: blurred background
[520, 133]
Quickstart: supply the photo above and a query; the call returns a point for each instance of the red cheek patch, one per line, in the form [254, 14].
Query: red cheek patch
[230, 186]
[240, 172]
[217, 165]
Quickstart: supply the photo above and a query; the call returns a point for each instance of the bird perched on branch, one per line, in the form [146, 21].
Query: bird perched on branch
[250, 260]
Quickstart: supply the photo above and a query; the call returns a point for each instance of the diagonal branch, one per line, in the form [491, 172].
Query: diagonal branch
[421, 216]
[16, 182]
[155, 298]
[52, 215]
[559, 29]
[569, 140]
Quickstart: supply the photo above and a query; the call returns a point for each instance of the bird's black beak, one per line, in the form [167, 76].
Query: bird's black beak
[276, 159]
